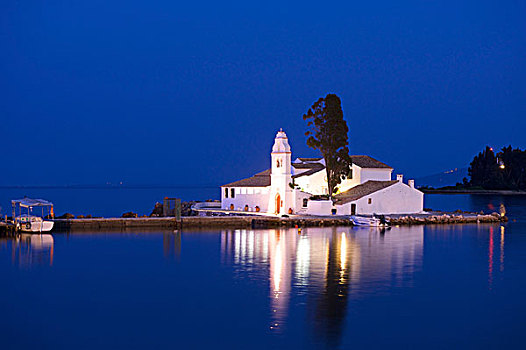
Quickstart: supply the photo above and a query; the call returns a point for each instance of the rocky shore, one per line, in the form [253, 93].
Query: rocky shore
[444, 218]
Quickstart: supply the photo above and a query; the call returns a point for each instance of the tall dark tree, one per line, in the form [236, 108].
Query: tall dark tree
[327, 132]
[512, 163]
[504, 170]
[484, 170]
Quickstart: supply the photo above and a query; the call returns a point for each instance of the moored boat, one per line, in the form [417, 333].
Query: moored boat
[26, 220]
[370, 221]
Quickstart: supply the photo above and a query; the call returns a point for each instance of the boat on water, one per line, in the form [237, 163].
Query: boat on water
[26, 218]
[370, 221]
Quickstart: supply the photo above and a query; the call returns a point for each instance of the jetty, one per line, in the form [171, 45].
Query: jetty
[247, 221]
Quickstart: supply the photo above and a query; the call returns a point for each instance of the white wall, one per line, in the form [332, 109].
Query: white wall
[396, 199]
[350, 183]
[298, 201]
[244, 196]
[314, 184]
[322, 207]
[317, 182]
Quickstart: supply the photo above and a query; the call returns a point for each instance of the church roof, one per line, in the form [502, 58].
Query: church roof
[368, 162]
[362, 190]
[261, 179]
[310, 159]
[308, 165]
[360, 160]
[308, 172]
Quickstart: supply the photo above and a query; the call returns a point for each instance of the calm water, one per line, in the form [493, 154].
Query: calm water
[410, 287]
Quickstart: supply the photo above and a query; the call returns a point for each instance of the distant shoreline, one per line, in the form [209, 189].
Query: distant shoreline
[501, 192]
[103, 187]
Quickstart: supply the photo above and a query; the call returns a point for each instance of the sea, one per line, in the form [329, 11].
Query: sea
[409, 287]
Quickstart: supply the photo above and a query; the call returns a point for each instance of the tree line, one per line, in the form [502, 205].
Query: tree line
[505, 170]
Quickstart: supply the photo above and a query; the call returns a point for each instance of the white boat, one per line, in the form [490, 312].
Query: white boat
[369, 221]
[30, 223]
[26, 220]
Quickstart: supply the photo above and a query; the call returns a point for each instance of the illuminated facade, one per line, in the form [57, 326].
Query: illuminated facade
[288, 187]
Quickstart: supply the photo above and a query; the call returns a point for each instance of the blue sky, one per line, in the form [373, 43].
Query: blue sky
[193, 93]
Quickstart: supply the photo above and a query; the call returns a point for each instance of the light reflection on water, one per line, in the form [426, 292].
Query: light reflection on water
[334, 263]
[30, 249]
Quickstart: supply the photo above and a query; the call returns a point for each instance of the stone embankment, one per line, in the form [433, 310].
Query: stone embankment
[110, 224]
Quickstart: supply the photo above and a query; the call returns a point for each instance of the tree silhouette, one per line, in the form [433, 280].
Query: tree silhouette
[327, 132]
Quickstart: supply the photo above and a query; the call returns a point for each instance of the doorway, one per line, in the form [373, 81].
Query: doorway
[353, 209]
[278, 203]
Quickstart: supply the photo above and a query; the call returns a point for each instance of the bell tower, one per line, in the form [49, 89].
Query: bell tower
[280, 176]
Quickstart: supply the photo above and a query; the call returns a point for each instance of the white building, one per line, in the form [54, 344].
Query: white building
[295, 188]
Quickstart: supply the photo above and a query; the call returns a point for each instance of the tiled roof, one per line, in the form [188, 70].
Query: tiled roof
[368, 162]
[261, 179]
[362, 190]
[308, 165]
[308, 172]
[310, 159]
[361, 160]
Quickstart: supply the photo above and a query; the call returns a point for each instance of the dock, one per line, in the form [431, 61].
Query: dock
[7, 228]
[170, 223]
[218, 222]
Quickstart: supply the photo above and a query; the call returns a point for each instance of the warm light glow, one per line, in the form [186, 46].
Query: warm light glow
[502, 166]
[490, 258]
[343, 255]
[303, 261]
[502, 248]
[278, 262]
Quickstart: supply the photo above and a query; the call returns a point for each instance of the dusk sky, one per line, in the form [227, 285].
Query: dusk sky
[166, 92]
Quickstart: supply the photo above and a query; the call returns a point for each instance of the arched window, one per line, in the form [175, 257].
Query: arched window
[226, 192]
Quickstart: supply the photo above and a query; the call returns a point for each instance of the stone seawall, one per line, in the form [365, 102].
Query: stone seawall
[119, 224]
[111, 224]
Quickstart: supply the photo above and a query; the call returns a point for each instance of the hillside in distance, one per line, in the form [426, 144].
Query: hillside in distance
[446, 178]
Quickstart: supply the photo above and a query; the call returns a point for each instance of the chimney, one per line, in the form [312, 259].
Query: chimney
[400, 177]
[411, 183]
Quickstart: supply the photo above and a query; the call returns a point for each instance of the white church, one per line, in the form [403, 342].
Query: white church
[294, 188]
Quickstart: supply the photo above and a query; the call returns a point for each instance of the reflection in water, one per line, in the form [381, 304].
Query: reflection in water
[329, 265]
[490, 257]
[492, 254]
[172, 244]
[501, 248]
[30, 249]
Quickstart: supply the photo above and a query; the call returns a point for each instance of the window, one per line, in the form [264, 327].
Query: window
[232, 193]
[370, 201]
[305, 202]
[226, 192]
[349, 175]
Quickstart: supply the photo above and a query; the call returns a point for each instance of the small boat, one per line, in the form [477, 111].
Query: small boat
[370, 221]
[26, 220]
